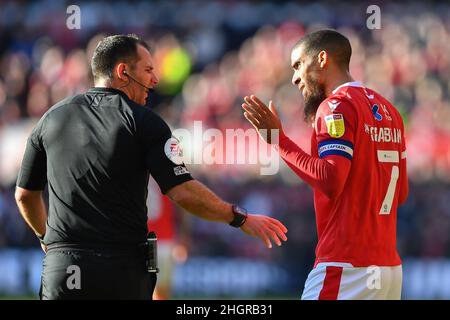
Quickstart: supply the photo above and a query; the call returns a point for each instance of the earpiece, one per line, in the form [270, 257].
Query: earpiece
[129, 76]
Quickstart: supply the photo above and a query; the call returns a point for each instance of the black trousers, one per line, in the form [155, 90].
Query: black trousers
[70, 274]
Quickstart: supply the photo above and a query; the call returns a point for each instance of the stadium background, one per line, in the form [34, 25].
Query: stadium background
[209, 55]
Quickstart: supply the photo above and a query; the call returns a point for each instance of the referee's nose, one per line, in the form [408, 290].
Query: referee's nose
[155, 80]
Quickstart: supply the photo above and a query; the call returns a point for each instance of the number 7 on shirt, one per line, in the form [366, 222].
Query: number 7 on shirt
[389, 156]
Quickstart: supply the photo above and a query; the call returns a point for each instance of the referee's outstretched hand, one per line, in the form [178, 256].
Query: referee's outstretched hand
[266, 228]
[196, 198]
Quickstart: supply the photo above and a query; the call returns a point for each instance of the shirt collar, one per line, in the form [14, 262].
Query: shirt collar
[108, 90]
[348, 84]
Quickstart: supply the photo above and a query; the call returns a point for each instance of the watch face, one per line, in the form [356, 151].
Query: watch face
[240, 210]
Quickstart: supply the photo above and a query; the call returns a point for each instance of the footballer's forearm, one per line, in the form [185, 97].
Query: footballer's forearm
[328, 175]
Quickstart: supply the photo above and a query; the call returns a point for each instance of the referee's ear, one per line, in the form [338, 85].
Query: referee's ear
[121, 71]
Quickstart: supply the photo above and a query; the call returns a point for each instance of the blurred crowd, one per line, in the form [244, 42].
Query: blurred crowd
[209, 55]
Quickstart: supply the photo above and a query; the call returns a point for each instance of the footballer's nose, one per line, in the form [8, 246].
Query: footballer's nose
[296, 79]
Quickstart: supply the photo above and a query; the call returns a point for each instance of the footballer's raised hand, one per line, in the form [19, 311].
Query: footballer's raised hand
[264, 119]
[265, 228]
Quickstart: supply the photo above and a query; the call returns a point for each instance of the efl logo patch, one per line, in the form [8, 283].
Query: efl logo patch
[173, 151]
[335, 125]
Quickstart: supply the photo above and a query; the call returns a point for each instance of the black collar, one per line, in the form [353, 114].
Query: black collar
[108, 90]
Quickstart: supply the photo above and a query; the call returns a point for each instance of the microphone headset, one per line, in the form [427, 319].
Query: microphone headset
[129, 75]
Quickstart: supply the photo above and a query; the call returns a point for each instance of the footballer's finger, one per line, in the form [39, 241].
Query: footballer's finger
[249, 102]
[252, 111]
[255, 105]
[261, 104]
[247, 107]
[254, 122]
[273, 109]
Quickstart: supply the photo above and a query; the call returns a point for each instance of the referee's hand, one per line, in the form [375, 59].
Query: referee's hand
[266, 228]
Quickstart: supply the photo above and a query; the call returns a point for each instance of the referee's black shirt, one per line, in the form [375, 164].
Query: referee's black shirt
[96, 151]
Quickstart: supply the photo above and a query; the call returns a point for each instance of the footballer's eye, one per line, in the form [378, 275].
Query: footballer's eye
[298, 65]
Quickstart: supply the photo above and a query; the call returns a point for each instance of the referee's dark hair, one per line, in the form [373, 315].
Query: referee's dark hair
[113, 49]
[331, 41]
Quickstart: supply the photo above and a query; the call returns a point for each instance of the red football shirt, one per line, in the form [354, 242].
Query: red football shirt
[357, 224]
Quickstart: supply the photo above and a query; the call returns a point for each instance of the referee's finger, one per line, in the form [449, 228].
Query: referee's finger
[277, 228]
[272, 234]
[263, 236]
[279, 224]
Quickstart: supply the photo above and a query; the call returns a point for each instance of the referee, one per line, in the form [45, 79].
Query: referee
[96, 151]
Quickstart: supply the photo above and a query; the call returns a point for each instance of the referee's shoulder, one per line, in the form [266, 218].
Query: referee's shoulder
[145, 116]
[78, 99]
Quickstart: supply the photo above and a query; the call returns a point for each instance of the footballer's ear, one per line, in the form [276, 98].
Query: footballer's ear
[322, 58]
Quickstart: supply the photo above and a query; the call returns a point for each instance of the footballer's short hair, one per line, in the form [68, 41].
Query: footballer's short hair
[331, 41]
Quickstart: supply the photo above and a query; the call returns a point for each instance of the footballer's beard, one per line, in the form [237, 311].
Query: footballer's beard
[313, 101]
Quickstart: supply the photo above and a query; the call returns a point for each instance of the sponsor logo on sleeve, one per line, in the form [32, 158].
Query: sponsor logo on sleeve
[173, 151]
[180, 170]
[335, 125]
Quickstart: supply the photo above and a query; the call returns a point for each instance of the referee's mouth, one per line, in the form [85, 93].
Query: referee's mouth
[147, 97]
[147, 91]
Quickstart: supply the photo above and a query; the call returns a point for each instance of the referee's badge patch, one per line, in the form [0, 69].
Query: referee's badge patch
[180, 170]
[335, 125]
[173, 151]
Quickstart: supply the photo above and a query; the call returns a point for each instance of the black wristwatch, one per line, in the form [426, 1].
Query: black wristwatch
[240, 216]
